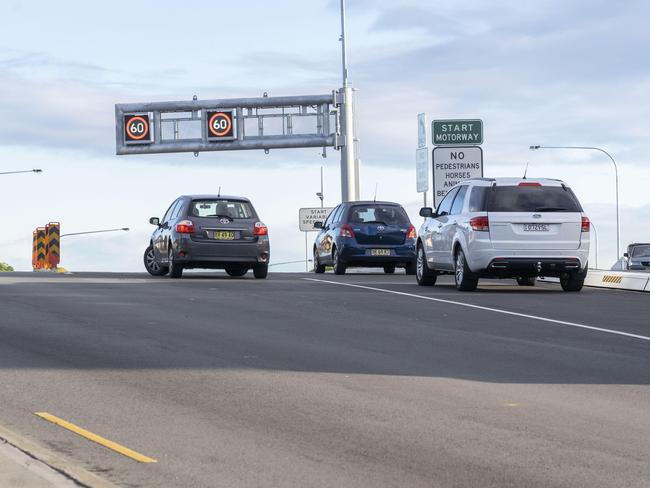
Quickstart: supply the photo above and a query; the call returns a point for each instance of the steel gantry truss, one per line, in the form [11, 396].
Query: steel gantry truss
[259, 123]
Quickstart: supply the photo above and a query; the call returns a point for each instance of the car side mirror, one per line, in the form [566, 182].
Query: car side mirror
[426, 212]
[636, 267]
[318, 225]
[626, 255]
[154, 221]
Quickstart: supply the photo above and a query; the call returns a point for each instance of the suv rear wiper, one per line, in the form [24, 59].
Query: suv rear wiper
[549, 209]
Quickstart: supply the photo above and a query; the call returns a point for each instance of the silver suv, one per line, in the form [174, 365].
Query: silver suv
[505, 228]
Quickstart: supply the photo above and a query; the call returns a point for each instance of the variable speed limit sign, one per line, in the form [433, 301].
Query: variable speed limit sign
[137, 129]
[220, 125]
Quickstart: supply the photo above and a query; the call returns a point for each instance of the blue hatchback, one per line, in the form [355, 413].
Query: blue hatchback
[366, 234]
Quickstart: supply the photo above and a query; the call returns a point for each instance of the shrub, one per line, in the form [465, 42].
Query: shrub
[5, 267]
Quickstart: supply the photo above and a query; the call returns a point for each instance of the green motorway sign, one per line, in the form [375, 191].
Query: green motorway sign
[463, 132]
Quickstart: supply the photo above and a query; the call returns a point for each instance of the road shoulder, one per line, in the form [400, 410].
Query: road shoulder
[25, 463]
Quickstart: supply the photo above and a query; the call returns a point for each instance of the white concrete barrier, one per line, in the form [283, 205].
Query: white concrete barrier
[622, 280]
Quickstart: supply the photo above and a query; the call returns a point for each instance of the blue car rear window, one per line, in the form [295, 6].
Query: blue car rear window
[377, 213]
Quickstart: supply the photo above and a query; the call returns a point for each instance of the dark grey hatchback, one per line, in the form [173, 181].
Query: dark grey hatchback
[208, 231]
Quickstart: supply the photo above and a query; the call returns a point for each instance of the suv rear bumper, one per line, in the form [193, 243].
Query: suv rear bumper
[514, 267]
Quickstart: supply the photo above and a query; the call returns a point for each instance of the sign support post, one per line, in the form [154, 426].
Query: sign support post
[422, 159]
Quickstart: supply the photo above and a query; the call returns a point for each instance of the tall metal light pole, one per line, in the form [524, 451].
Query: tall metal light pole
[589, 148]
[349, 186]
[595, 241]
[23, 171]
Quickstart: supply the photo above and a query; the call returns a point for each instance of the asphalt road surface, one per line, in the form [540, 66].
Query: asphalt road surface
[292, 382]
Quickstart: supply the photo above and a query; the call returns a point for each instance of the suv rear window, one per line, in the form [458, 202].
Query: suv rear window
[532, 199]
[641, 251]
[233, 209]
[383, 214]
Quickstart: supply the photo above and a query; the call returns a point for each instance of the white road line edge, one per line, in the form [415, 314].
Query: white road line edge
[489, 309]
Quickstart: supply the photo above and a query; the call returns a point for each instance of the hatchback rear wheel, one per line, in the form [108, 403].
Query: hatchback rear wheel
[318, 267]
[339, 266]
[261, 271]
[175, 269]
[151, 265]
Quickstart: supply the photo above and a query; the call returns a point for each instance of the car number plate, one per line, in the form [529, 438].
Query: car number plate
[536, 228]
[224, 235]
[380, 252]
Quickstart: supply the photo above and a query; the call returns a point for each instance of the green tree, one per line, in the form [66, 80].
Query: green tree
[5, 267]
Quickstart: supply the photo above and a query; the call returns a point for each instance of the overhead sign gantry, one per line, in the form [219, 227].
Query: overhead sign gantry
[228, 124]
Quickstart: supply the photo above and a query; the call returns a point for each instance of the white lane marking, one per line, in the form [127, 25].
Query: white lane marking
[489, 309]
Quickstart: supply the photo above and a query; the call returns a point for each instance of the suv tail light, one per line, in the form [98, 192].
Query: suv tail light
[185, 227]
[529, 184]
[480, 223]
[586, 224]
[411, 234]
[346, 231]
[260, 229]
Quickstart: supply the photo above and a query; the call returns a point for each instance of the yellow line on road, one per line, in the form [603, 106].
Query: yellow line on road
[125, 451]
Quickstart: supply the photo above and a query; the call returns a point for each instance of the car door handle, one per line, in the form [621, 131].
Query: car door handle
[439, 225]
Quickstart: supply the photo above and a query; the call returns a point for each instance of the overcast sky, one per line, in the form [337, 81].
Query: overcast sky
[546, 72]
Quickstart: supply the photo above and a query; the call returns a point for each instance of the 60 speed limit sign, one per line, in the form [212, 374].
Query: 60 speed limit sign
[220, 125]
[137, 129]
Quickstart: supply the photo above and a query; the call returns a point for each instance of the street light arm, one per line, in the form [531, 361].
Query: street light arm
[23, 171]
[580, 147]
[125, 229]
[592, 148]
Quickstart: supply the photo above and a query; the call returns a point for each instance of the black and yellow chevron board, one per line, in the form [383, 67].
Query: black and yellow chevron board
[34, 249]
[53, 253]
[40, 247]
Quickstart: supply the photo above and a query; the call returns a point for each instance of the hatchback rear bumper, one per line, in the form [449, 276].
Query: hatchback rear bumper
[193, 254]
[361, 255]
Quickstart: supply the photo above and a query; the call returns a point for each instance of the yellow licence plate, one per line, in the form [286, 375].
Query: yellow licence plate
[223, 235]
[380, 252]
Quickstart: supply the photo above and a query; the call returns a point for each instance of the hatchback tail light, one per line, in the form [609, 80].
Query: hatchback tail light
[346, 231]
[586, 224]
[185, 227]
[529, 183]
[411, 234]
[480, 223]
[260, 229]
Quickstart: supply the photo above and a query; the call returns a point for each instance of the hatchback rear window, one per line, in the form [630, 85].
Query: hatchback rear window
[233, 209]
[532, 199]
[377, 213]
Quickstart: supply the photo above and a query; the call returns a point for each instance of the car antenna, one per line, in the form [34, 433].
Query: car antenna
[526, 170]
[219, 193]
